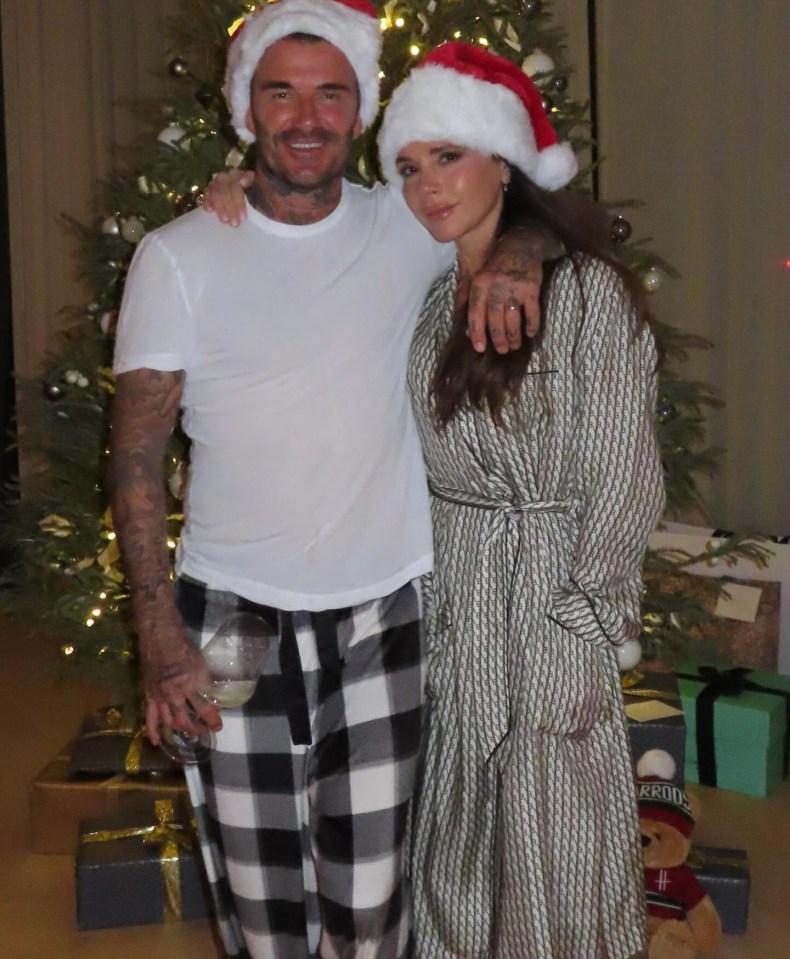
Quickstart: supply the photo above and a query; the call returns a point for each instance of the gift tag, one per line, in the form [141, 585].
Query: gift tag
[741, 603]
[650, 711]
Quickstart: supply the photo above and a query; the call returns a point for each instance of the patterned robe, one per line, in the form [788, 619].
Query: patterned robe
[525, 842]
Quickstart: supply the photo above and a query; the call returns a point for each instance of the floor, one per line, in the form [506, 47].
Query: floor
[37, 892]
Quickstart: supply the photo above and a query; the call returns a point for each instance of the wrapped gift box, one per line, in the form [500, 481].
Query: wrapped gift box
[58, 804]
[744, 733]
[110, 743]
[724, 874]
[656, 695]
[758, 648]
[138, 869]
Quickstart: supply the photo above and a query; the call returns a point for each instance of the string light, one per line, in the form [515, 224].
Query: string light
[171, 543]
[384, 24]
[111, 535]
[69, 650]
[235, 26]
[400, 22]
[483, 42]
[90, 621]
[414, 49]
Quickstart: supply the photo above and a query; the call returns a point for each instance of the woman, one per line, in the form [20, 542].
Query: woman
[546, 480]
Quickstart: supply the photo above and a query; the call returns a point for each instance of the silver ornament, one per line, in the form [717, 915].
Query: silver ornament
[652, 279]
[110, 227]
[52, 392]
[621, 229]
[71, 376]
[132, 230]
[178, 67]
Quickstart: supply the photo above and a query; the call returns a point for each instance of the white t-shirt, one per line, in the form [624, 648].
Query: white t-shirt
[306, 488]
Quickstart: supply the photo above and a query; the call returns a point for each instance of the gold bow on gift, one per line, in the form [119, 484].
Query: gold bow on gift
[170, 835]
[113, 724]
[630, 680]
[698, 859]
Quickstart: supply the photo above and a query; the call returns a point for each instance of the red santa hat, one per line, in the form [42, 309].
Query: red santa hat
[467, 96]
[350, 25]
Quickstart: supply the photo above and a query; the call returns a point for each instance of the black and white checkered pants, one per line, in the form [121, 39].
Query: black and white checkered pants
[302, 809]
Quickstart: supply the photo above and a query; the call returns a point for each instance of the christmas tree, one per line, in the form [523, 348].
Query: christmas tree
[67, 577]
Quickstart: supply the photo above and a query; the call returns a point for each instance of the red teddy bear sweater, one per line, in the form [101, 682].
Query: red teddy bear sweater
[671, 893]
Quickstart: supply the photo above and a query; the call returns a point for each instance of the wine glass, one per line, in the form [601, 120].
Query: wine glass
[234, 658]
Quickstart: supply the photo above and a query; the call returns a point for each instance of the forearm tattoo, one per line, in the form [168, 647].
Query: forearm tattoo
[145, 410]
[530, 242]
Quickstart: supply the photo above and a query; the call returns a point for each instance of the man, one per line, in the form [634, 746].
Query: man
[284, 343]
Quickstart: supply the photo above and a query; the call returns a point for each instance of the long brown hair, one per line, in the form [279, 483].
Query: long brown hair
[465, 379]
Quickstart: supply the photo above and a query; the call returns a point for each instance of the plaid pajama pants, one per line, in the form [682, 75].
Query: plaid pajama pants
[302, 809]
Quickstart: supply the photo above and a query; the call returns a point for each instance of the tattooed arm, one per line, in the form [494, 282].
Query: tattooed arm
[504, 299]
[145, 408]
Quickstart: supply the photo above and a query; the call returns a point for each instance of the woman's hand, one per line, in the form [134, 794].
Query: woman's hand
[224, 195]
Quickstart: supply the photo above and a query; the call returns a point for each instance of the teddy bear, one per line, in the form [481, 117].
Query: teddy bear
[682, 920]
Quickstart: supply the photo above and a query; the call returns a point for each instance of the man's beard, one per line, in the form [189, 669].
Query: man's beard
[278, 175]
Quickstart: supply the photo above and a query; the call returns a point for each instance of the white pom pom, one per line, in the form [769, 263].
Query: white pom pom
[656, 762]
[629, 655]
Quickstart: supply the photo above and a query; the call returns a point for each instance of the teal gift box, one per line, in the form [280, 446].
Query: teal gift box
[736, 726]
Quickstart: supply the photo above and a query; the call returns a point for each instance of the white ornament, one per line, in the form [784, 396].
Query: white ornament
[537, 62]
[629, 654]
[110, 227]
[652, 279]
[71, 376]
[82, 381]
[172, 135]
[132, 230]
[106, 321]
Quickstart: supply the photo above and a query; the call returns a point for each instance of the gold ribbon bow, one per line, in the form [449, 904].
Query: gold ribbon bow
[170, 836]
[632, 678]
[698, 860]
[111, 720]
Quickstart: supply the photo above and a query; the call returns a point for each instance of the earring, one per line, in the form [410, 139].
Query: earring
[505, 185]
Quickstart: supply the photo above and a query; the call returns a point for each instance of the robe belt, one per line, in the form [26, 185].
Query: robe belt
[496, 668]
[501, 507]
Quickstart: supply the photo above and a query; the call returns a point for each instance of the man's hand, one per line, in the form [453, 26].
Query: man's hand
[504, 297]
[504, 302]
[173, 672]
[224, 195]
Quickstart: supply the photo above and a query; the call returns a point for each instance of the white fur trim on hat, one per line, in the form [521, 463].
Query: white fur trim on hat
[437, 103]
[353, 32]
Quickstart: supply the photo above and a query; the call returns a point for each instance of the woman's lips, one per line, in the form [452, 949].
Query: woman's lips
[439, 212]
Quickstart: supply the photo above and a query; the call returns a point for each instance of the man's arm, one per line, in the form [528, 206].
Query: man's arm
[504, 299]
[145, 409]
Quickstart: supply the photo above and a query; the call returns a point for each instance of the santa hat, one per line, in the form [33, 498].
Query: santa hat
[464, 95]
[350, 25]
